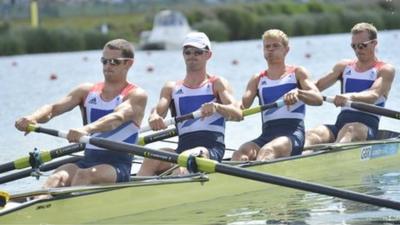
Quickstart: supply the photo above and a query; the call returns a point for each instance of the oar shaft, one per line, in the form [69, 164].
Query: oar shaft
[375, 110]
[208, 165]
[65, 151]
[370, 108]
[197, 114]
[141, 151]
[260, 108]
[44, 156]
[8, 166]
[306, 186]
[157, 136]
[45, 167]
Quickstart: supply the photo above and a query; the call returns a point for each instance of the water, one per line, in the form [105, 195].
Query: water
[25, 85]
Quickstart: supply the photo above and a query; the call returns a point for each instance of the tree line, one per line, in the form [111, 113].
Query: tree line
[225, 22]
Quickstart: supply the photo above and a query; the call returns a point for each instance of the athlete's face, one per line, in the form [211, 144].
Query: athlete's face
[274, 50]
[363, 46]
[195, 58]
[115, 66]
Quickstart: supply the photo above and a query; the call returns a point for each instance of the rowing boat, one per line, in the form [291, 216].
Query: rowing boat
[216, 198]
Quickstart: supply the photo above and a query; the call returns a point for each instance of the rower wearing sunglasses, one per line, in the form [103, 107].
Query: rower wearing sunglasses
[111, 109]
[364, 79]
[198, 90]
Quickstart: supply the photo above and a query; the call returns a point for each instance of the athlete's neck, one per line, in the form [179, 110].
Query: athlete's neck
[195, 79]
[111, 90]
[363, 65]
[275, 71]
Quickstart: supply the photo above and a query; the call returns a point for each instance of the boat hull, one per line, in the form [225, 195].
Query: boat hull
[214, 200]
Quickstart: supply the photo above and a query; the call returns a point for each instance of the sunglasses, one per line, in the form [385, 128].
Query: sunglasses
[361, 45]
[195, 52]
[113, 62]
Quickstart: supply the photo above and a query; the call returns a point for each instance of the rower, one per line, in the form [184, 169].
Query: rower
[111, 109]
[364, 79]
[210, 94]
[283, 129]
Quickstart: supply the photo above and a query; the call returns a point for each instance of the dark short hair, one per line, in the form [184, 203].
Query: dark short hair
[125, 46]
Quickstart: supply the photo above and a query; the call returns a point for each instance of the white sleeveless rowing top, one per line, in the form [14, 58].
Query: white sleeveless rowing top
[95, 107]
[187, 100]
[354, 81]
[270, 90]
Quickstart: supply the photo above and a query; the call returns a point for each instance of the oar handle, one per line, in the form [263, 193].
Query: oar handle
[197, 114]
[174, 120]
[56, 133]
[86, 139]
[331, 99]
[260, 108]
[147, 127]
[370, 108]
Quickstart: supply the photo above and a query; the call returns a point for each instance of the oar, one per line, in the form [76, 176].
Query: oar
[207, 165]
[47, 156]
[43, 168]
[370, 108]
[158, 136]
[44, 156]
[261, 108]
[174, 120]
[197, 114]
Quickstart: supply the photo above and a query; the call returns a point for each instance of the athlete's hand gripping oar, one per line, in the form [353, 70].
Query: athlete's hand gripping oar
[207, 165]
[174, 120]
[370, 108]
[197, 114]
[44, 156]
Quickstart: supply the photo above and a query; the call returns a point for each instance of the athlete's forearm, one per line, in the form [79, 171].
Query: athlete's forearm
[43, 114]
[106, 123]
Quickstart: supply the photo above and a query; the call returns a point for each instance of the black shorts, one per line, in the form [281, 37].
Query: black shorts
[96, 157]
[349, 116]
[212, 141]
[291, 128]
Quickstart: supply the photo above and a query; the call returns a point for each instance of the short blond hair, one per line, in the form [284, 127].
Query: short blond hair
[276, 33]
[371, 29]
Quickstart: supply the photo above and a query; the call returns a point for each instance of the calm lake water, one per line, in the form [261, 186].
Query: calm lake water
[25, 84]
